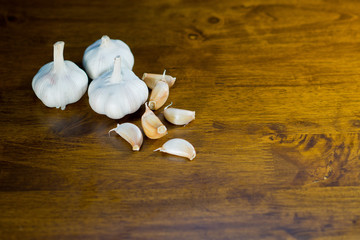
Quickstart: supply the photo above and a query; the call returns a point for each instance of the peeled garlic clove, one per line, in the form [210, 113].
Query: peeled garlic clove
[131, 133]
[118, 92]
[60, 82]
[178, 147]
[152, 78]
[151, 124]
[159, 95]
[178, 116]
[99, 57]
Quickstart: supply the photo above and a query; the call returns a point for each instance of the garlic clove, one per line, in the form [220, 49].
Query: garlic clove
[178, 116]
[159, 95]
[99, 57]
[178, 147]
[118, 92]
[152, 78]
[131, 133]
[151, 124]
[60, 82]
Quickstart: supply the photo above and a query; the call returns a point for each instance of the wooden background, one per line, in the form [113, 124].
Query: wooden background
[276, 89]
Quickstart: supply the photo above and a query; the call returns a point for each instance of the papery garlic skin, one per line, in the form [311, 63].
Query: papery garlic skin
[159, 95]
[60, 82]
[117, 93]
[99, 57]
[131, 133]
[179, 147]
[151, 124]
[178, 116]
[152, 78]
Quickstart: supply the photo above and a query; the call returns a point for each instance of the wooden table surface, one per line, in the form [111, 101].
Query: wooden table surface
[276, 89]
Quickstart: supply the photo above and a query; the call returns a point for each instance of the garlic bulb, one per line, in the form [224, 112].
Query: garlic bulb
[117, 93]
[131, 133]
[178, 116]
[151, 124]
[60, 82]
[151, 79]
[178, 147]
[99, 56]
[159, 94]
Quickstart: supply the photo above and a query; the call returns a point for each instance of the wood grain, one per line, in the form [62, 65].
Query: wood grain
[275, 86]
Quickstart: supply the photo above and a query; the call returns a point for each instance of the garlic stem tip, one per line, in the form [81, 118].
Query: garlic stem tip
[116, 76]
[104, 40]
[168, 106]
[111, 131]
[59, 55]
[59, 43]
[147, 106]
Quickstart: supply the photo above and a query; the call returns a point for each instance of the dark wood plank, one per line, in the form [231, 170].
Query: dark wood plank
[275, 88]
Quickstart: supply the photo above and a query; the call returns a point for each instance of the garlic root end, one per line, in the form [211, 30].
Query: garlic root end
[152, 105]
[161, 129]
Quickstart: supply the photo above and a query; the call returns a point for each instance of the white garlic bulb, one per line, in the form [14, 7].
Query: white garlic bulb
[60, 82]
[178, 147]
[151, 79]
[118, 92]
[131, 133]
[99, 57]
[151, 124]
[178, 116]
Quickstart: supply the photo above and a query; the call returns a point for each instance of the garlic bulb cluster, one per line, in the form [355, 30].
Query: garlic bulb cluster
[179, 147]
[60, 82]
[115, 92]
[118, 92]
[131, 133]
[99, 57]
